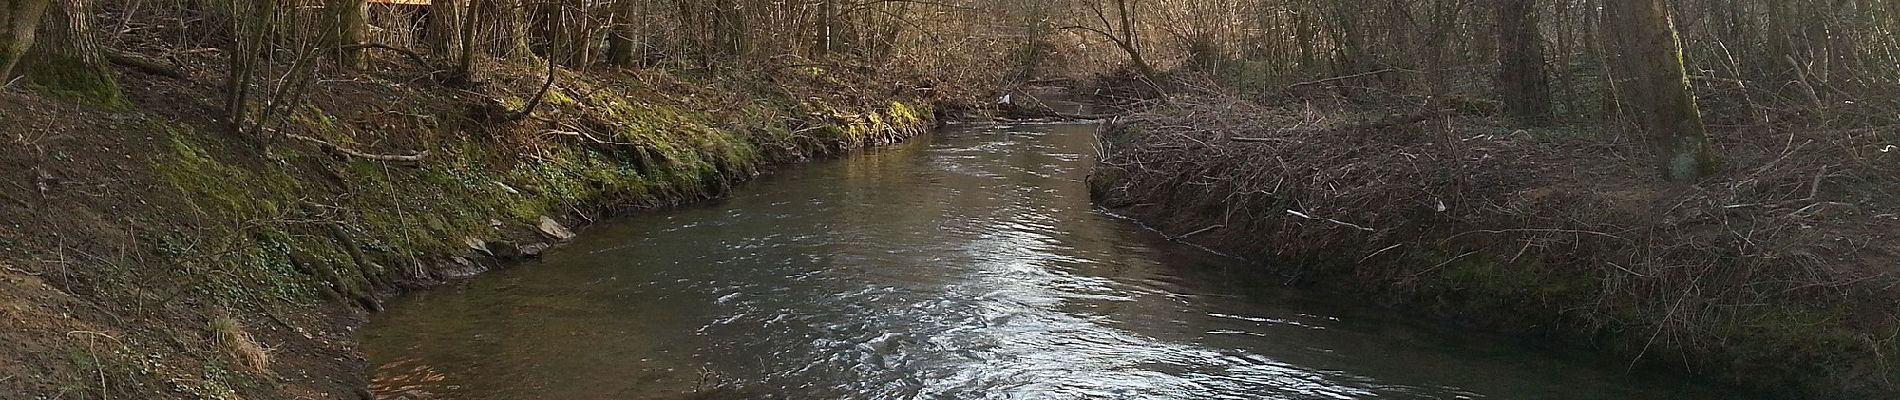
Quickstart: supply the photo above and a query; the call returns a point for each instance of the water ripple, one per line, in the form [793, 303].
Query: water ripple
[971, 267]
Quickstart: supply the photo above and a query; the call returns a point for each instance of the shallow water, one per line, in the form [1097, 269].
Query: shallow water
[966, 265]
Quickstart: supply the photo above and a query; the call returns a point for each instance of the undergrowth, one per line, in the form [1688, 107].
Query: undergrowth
[1775, 274]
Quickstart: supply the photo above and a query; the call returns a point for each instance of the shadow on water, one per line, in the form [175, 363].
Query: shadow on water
[967, 265]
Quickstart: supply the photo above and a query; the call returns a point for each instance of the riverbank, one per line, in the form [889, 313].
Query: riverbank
[1777, 274]
[148, 253]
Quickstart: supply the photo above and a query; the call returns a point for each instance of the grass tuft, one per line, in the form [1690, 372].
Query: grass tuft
[236, 342]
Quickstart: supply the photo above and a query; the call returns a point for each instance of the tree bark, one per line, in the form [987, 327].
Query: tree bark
[19, 22]
[350, 19]
[470, 26]
[443, 33]
[1444, 22]
[1306, 38]
[1523, 86]
[827, 27]
[511, 19]
[67, 62]
[574, 36]
[251, 26]
[620, 38]
[1649, 78]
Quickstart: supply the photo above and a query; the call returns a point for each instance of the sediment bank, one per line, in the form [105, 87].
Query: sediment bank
[1775, 275]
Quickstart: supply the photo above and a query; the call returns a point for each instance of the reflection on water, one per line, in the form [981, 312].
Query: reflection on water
[967, 266]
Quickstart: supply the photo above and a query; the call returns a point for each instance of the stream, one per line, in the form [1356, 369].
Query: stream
[967, 264]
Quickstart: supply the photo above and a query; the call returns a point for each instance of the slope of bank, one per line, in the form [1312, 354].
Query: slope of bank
[1778, 274]
[148, 253]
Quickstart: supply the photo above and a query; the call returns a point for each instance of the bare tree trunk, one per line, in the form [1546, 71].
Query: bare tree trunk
[67, 61]
[620, 34]
[471, 25]
[576, 35]
[443, 33]
[510, 19]
[1306, 38]
[250, 26]
[1444, 20]
[1523, 87]
[19, 21]
[1649, 78]
[350, 19]
[827, 27]
[726, 28]
[1122, 34]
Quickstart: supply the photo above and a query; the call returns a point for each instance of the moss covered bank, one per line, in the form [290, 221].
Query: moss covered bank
[150, 254]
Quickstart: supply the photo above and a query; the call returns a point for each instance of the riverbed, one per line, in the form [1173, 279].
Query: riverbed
[968, 264]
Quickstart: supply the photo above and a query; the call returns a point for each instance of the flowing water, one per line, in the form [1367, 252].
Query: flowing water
[966, 265]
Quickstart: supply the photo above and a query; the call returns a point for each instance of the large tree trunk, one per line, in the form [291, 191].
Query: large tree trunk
[510, 18]
[1131, 41]
[1650, 80]
[67, 61]
[478, 12]
[827, 28]
[621, 45]
[251, 26]
[1523, 88]
[19, 21]
[1444, 21]
[573, 35]
[1306, 38]
[443, 33]
[725, 30]
[350, 25]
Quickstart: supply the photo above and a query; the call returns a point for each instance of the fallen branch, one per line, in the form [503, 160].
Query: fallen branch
[411, 55]
[334, 148]
[1200, 231]
[145, 64]
[1259, 140]
[1503, 231]
[1345, 77]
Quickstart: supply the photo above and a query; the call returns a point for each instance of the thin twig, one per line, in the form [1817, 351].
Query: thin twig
[1343, 223]
[1381, 251]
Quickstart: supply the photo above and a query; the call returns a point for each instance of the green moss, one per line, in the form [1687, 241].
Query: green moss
[1502, 277]
[279, 234]
[250, 209]
[654, 154]
[406, 218]
[560, 98]
[314, 118]
[905, 115]
[76, 80]
[241, 194]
